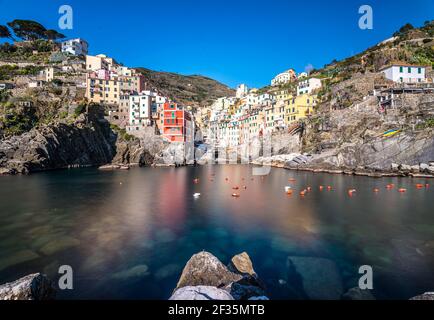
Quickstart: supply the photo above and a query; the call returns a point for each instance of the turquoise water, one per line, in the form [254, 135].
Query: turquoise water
[128, 234]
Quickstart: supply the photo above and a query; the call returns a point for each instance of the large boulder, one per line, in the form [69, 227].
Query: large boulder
[205, 269]
[200, 293]
[32, 287]
[319, 277]
[425, 296]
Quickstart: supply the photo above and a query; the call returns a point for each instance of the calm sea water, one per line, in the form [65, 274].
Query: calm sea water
[128, 234]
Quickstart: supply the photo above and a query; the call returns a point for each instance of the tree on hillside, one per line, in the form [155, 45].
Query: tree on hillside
[405, 28]
[28, 29]
[54, 35]
[4, 32]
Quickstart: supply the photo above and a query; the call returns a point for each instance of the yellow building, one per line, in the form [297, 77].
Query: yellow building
[299, 107]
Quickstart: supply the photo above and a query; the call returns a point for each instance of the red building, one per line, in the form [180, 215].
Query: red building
[178, 124]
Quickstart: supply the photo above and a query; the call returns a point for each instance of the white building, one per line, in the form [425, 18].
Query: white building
[139, 111]
[241, 91]
[284, 77]
[307, 86]
[75, 47]
[405, 73]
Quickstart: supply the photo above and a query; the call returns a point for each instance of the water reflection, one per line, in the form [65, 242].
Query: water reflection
[129, 234]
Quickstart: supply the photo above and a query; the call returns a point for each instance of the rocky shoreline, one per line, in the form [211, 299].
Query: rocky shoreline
[205, 277]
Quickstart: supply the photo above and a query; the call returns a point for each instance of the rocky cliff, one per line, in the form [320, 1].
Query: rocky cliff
[89, 141]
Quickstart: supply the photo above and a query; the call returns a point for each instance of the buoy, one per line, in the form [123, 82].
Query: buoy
[235, 188]
[235, 195]
[402, 190]
[351, 192]
[329, 188]
[309, 189]
[303, 193]
[321, 188]
[419, 186]
[376, 190]
[287, 188]
[196, 195]
[196, 181]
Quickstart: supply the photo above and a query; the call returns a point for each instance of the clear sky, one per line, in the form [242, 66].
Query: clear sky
[238, 41]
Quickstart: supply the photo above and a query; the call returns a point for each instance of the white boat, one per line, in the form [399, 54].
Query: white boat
[196, 195]
[287, 188]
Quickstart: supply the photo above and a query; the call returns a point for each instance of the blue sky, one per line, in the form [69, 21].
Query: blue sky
[231, 41]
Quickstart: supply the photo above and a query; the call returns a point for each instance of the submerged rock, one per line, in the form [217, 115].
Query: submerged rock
[358, 294]
[320, 277]
[205, 269]
[32, 287]
[200, 293]
[425, 296]
[134, 272]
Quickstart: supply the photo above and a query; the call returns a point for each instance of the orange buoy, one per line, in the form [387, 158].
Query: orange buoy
[402, 190]
[309, 189]
[289, 192]
[376, 190]
[235, 195]
[303, 193]
[321, 188]
[329, 188]
[235, 188]
[419, 186]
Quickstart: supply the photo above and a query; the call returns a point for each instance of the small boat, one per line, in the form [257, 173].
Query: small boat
[309, 189]
[196, 195]
[303, 192]
[235, 188]
[235, 195]
[376, 190]
[351, 192]
[287, 188]
[390, 133]
[402, 190]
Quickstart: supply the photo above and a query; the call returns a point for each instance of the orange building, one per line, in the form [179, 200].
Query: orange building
[178, 124]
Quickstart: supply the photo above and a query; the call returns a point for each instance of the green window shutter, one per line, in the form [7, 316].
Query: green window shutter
[401, 69]
[409, 69]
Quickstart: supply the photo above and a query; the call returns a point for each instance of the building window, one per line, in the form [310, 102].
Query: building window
[409, 69]
[401, 69]
[419, 70]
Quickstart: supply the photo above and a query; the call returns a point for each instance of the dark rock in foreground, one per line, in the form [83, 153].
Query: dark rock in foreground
[32, 287]
[204, 271]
